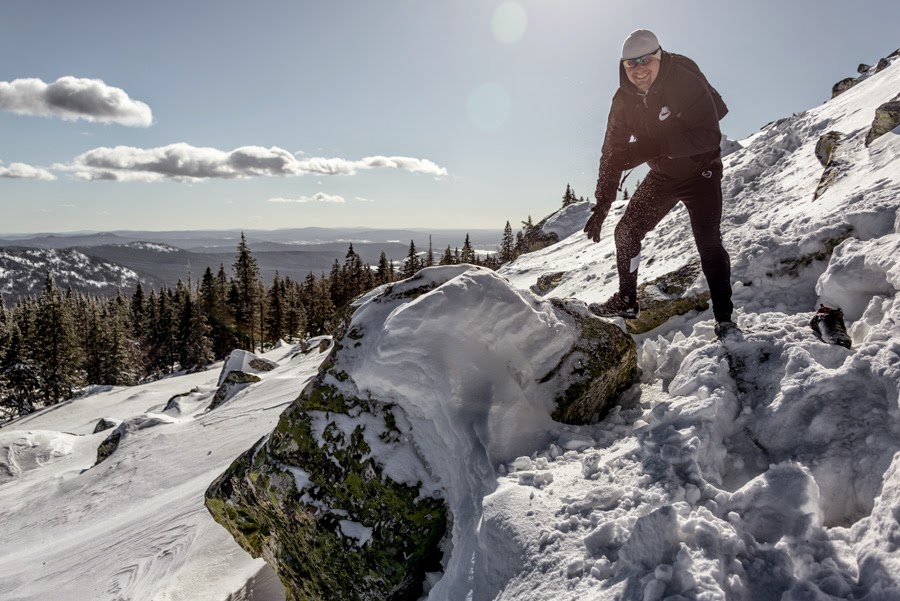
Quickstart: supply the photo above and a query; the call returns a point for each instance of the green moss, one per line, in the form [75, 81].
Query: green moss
[107, 447]
[303, 542]
[601, 364]
[666, 296]
[793, 267]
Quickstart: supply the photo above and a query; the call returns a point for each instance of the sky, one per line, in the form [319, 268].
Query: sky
[411, 113]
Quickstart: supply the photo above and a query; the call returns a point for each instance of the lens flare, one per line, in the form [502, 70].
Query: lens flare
[509, 22]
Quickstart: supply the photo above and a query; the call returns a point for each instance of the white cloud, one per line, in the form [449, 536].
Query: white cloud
[317, 197]
[361, 199]
[73, 98]
[23, 171]
[183, 162]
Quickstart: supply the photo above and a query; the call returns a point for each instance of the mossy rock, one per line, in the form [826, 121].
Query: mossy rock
[842, 86]
[104, 424]
[548, 282]
[261, 364]
[601, 364]
[108, 447]
[666, 296]
[300, 532]
[887, 118]
[793, 267]
[826, 145]
[234, 382]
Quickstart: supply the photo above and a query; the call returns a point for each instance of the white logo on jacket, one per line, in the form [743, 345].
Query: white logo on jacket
[664, 113]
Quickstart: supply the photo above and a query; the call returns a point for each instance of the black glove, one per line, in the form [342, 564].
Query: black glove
[594, 223]
[642, 150]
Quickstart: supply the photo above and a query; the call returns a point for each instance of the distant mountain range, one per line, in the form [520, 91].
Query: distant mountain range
[102, 262]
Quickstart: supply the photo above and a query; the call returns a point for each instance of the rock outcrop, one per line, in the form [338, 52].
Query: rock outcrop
[827, 152]
[238, 372]
[547, 282]
[667, 296]
[602, 363]
[348, 497]
[317, 506]
[128, 428]
[887, 118]
[842, 86]
[105, 424]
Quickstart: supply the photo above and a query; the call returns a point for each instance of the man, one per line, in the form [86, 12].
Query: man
[665, 114]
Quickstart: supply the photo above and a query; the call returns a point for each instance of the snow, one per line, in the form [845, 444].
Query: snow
[134, 526]
[765, 468]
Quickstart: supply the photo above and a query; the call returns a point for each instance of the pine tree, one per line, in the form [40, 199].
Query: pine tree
[468, 253]
[447, 257]
[411, 265]
[213, 299]
[19, 380]
[164, 347]
[384, 275]
[295, 317]
[58, 358]
[338, 290]
[277, 314]
[507, 245]
[569, 197]
[354, 275]
[246, 278]
[195, 346]
[118, 362]
[429, 258]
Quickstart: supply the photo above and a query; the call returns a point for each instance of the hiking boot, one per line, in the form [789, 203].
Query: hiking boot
[616, 306]
[727, 329]
[828, 323]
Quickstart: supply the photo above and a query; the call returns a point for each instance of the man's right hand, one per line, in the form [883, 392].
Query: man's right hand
[594, 223]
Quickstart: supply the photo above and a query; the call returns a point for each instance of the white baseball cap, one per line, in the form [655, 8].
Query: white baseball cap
[639, 43]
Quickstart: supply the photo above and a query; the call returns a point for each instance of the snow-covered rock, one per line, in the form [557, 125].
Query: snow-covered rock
[382, 429]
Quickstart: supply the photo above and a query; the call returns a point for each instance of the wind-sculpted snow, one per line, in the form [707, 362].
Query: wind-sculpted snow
[133, 526]
[469, 385]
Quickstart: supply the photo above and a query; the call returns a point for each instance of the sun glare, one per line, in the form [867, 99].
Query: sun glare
[509, 22]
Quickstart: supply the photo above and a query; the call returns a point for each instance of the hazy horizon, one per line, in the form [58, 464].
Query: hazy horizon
[280, 114]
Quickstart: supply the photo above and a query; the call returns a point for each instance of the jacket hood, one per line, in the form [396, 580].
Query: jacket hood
[625, 84]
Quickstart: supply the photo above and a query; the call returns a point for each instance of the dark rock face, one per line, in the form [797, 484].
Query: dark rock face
[548, 282]
[104, 424]
[828, 153]
[882, 65]
[666, 297]
[887, 118]
[313, 502]
[826, 145]
[601, 365]
[842, 86]
[108, 446]
[234, 382]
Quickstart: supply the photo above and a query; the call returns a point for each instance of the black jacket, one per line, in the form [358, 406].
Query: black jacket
[678, 112]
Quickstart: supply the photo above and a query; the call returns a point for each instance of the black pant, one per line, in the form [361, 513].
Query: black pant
[653, 199]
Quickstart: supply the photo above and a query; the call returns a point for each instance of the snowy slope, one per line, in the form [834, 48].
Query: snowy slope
[767, 469]
[134, 526]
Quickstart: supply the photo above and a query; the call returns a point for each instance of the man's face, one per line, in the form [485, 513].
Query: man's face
[642, 71]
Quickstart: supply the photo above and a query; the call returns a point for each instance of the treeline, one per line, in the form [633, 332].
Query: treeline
[61, 341]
